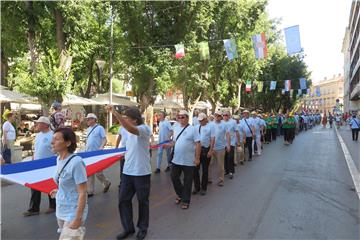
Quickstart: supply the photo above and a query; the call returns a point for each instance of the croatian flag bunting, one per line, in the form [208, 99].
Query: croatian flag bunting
[38, 174]
[259, 45]
[292, 38]
[302, 83]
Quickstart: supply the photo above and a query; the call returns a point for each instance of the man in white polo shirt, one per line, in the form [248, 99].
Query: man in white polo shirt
[207, 141]
[186, 143]
[229, 156]
[42, 150]
[95, 140]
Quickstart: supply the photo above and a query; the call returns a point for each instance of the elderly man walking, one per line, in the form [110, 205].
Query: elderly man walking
[42, 150]
[165, 132]
[95, 140]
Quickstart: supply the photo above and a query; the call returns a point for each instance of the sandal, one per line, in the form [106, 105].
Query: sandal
[177, 200]
[185, 206]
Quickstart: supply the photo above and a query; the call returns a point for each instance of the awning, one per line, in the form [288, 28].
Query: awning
[167, 104]
[116, 100]
[202, 105]
[70, 99]
[15, 97]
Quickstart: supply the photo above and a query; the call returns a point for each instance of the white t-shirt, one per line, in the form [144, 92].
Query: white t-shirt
[184, 153]
[247, 127]
[232, 129]
[195, 121]
[43, 145]
[10, 131]
[206, 133]
[137, 152]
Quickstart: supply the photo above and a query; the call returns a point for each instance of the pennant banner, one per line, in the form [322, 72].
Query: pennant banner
[282, 91]
[287, 85]
[317, 91]
[292, 38]
[259, 45]
[248, 86]
[308, 91]
[272, 85]
[291, 93]
[299, 92]
[38, 174]
[302, 83]
[180, 51]
[230, 47]
[204, 50]
[260, 86]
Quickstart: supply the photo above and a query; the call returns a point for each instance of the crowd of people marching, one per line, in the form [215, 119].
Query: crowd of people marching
[222, 140]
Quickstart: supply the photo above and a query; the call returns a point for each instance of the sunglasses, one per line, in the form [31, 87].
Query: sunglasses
[182, 117]
[226, 115]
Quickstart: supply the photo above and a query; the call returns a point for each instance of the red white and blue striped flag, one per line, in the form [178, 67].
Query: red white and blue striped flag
[38, 174]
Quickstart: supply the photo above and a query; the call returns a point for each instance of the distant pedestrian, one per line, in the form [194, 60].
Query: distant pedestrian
[230, 156]
[324, 120]
[248, 132]
[9, 137]
[57, 118]
[355, 127]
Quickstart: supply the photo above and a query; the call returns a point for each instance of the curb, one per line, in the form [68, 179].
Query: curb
[354, 172]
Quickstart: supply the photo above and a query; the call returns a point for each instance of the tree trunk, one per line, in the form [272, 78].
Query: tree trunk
[91, 77]
[45, 109]
[4, 69]
[31, 36]
[60, 36]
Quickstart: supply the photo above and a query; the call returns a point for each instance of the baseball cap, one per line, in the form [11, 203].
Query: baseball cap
[246, 111]
[218, 112]
[236, 117]
[183, 112]
[56, 105]
[202, 116]
[43, 119]
[253, 112]
[91, 115]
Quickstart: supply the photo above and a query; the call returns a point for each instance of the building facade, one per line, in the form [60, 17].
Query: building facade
[351, 51]
[326, 96]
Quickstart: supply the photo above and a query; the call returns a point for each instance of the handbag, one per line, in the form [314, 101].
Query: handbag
[173, 149]
[72, 234]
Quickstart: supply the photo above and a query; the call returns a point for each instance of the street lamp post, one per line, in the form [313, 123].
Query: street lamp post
[111, 60]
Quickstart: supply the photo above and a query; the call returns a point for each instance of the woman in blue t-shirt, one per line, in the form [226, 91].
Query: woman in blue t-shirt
[70, 176]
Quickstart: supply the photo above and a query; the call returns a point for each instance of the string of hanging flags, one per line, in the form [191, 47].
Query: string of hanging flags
[292, 39]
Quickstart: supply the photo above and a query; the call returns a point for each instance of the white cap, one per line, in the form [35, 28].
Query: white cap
[202, 116]
[236, 117]
[43, 119]
[218, 112]
[91, 115]
[183, 112]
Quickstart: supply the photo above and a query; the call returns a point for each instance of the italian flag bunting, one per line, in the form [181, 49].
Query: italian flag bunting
[248, 86]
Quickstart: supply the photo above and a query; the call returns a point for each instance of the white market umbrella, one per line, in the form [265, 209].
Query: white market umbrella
[167, 104]
[116, 100]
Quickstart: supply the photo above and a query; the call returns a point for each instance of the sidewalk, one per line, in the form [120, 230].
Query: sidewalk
[353, 146]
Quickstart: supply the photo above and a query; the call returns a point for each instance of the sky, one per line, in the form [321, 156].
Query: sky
[322, 27]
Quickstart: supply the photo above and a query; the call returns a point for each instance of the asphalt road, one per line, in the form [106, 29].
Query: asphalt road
[302, 191]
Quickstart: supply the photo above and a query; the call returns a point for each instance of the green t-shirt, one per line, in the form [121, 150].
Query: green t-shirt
[289, 122]
[268, 123]
[274, 122]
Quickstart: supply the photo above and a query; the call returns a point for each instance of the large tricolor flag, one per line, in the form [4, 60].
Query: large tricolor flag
[259, 44]
[38, 174]
[180, 51]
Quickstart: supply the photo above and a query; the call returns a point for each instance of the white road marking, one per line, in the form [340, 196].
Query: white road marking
[354, 172]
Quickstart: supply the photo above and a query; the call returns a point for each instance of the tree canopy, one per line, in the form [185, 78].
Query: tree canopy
[38, 37]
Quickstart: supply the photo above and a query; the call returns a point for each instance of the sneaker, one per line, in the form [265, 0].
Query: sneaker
[220, 183]
[59, 230]
[231, 176]
[107, 187]
[90, 195]
[202, 192]
[29, 213]
[157, 170]
[195, 192]
[167, 169]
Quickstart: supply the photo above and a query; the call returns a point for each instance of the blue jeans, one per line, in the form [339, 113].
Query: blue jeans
[160, 156]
